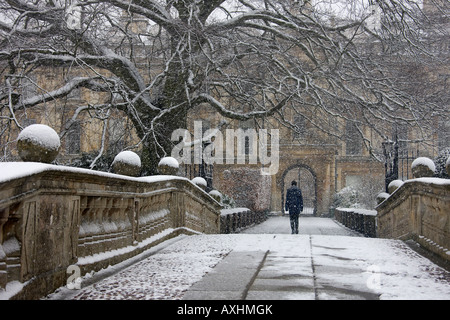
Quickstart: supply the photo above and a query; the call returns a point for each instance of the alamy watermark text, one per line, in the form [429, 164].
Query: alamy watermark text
[236, 147]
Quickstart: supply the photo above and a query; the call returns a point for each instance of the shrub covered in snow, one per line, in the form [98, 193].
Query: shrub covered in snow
[127, 163]
[348, 197]
[168, 166]
[423, 167]
[38, 143]
[394, 185]
[441, 162]
[361, 195]
[85, 160]
[228, 202]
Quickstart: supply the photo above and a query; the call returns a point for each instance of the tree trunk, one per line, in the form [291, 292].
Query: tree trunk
[154, 151]
[173, 98]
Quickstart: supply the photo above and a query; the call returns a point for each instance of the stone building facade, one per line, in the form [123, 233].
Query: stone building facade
[322, 165]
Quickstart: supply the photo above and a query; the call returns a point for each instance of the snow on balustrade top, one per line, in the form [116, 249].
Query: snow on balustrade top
[424, 161]
[128, 157]
[42, 135]
[364, 212]
[427, 180]
[435, 181]
[16, 170]
[225, 212]
[170, 162]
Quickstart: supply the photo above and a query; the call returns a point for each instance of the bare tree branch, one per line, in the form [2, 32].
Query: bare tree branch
[156, 60]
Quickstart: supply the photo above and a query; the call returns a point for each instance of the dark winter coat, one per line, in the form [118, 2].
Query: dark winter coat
[294, 200]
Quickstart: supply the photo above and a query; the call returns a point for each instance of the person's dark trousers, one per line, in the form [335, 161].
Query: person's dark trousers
[294, 222]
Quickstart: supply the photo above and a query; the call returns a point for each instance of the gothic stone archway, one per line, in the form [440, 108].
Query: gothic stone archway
[307, 182]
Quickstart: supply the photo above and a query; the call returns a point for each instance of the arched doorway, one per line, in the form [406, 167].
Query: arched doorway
[307, 182]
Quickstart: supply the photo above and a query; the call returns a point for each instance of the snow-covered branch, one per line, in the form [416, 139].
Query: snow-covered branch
[241, 116]
[58, 93]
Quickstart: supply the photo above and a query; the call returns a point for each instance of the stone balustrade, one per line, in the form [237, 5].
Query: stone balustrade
[419, 210]
[53, 217]
[360, 220]
[234, 220]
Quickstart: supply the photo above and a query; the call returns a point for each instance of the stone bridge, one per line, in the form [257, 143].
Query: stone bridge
[54, 219]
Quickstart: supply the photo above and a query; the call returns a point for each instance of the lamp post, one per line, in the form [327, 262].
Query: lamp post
[390, 150]
[205, 170]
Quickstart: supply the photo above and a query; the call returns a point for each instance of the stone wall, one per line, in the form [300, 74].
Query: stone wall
[235, 220]
[362, 221]
[418, 210]
[56, 217]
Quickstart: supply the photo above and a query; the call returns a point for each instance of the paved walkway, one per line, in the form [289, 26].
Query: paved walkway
[286, 274]
[326, 261]
[266, 262]
[308, 225]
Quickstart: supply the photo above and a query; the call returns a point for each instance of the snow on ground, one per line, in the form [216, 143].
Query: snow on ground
[162, 276]
[396, 270]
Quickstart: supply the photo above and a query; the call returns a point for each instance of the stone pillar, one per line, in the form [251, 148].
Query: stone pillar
[177, 206]
[50, 227]
[135, 221]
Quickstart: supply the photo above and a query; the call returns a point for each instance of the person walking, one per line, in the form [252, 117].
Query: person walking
[294, 204]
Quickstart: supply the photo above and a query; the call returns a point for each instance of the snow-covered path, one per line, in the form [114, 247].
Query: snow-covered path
[307, 225]
[325, 261]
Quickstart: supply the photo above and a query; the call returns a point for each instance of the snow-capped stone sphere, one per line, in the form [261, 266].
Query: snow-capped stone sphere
[199, 181]
[168, 166]
[381, 197]
[423, 167]
[127, 163]
[216, 195]
[38, 143]
[394, 185]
